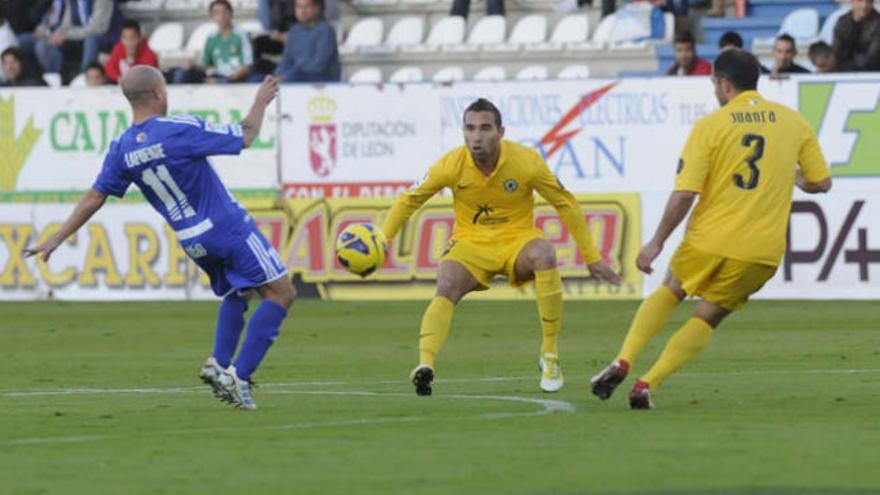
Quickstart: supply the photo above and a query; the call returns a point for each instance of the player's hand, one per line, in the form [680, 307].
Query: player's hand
[268, 90]
[603, 272]
[46, 248]
[647, 255]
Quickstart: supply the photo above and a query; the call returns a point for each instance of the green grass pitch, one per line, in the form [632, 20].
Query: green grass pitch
[104, 399]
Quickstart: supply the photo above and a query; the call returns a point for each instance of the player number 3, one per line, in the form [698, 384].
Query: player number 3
[752, 161]
[158, 180]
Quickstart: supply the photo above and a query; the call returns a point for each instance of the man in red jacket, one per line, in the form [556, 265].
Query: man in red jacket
[687, 63]
[131, 50]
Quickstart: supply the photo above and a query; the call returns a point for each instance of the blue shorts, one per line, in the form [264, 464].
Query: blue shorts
[236, 260]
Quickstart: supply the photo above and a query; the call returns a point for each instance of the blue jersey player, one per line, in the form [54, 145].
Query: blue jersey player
[166, 158]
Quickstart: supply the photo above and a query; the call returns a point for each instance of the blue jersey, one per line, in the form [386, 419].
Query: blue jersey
[166, 158]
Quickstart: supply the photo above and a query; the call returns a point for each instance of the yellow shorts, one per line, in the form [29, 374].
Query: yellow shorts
[719, 280]
[484, 260]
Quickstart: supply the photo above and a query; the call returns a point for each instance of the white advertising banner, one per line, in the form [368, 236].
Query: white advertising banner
[125, 252]
[55, 140]
[341, 140]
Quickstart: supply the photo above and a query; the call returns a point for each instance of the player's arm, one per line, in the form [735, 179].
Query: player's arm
[549, 187]
[411, 200]
[693, 169]
[251, 124]
[677, 208]
[814, 175]
[90, 203]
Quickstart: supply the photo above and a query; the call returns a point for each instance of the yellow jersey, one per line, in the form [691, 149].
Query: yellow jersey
[741, 159]
[498, 207]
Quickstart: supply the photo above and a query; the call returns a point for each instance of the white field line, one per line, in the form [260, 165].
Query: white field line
[193, 389]
[548, 406]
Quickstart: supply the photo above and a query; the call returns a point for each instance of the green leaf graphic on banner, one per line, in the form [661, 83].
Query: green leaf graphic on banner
[814, 100]
[865, 158]
[14, 151]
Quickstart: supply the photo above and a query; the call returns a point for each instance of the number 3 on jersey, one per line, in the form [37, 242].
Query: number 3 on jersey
[752, 161]
[158, 180]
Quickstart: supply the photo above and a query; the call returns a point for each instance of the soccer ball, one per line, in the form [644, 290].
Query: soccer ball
[360, 248]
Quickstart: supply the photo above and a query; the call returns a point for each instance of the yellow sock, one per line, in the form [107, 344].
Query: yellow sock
[434, 329]
[651, 317]
[684, 344]
[548, 295]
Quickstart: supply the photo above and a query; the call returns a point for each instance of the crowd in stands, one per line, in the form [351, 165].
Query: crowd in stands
[91, 38]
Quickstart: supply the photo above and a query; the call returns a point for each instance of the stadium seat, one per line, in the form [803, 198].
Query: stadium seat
[491, 73]
[366, 33]
[364, 75]
[407, 31]
[532, 73]
[488, 30]
[373, 3]
[827, 32]
[529, 30]
[448, 74]
[145, 6]
[407, 74]
[447, 31]
[573, 28]
[167, 37]
[800, 24]
[79, 81]
[668, 27]
[196, 5]
[576, 71]
[197, 39]
[602, 35]
[251, 5]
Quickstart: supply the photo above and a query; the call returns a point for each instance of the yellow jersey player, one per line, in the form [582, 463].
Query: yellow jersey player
[742, 161]
[492, 182]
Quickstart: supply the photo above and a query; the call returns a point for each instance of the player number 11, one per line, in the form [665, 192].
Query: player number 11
[158, 180]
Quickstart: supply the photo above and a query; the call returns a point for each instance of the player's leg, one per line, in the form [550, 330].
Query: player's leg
[230, 323]
[683, 346]
[651, 317]
[453, 282]
[537, 260]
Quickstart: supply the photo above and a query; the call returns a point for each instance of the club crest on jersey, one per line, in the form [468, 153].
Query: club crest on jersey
[141, 137]
[511, 185]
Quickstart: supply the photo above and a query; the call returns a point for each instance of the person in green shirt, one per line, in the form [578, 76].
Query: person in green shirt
[228, 55]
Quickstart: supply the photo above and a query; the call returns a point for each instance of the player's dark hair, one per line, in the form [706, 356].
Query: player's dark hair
[730, 38]
[132, 24]
[739, 67]
[224, 3]
[786, 37]
[484, 105]
[685, 37]
[15, 52]
[96, 66]
[820, 49]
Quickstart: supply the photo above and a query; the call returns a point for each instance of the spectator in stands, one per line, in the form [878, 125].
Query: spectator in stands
[16, 72]
[131, 50]
[732, 39]
[7, 38]
[310, 52]
[24, 16]
[687, 63]
[822, 57]
[71, 25]
[228, 55]
[95, 75]
[857, 38]
[784, 51]
[463, 7]
[268, 47]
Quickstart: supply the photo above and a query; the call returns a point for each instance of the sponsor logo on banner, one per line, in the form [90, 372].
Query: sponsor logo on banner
[322, 190]
[14, 149]
[827, 244]
[414, 256]
[322, 135]
[846, 117]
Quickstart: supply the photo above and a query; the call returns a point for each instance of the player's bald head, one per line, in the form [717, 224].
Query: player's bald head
[140, 84]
